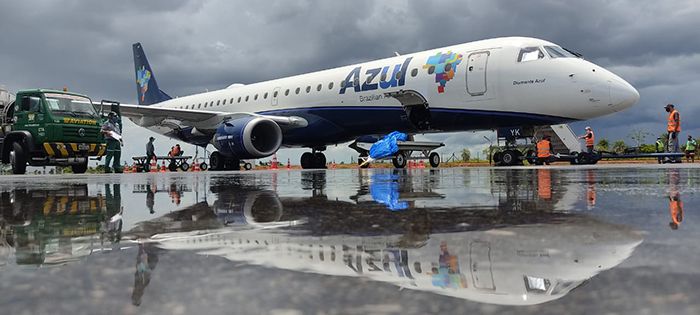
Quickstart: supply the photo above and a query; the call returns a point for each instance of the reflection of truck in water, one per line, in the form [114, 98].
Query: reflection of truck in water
[45, 127]
[55, 226]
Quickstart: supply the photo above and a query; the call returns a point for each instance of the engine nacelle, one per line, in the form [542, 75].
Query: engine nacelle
[248, 138]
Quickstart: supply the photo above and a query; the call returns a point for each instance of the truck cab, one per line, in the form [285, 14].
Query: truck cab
[50, 128]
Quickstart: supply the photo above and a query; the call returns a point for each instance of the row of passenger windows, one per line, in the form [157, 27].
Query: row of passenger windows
[297, 91]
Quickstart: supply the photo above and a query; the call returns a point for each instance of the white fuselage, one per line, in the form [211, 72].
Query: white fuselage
[480, 85]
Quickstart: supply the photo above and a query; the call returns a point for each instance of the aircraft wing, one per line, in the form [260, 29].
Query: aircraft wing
[147, 116]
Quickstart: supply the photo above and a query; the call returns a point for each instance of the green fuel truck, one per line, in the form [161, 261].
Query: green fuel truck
[50, 128]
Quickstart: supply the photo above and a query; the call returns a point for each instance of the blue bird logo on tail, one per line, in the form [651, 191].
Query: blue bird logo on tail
[143, 76]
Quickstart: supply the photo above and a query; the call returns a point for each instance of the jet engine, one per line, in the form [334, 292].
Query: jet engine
[248, 138]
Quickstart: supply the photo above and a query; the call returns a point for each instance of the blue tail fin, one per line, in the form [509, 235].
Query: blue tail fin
[146, 85]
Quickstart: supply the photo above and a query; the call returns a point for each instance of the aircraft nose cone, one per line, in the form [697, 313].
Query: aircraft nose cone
[622, 94]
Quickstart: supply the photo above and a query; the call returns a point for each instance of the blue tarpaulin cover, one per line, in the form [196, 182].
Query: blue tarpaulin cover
[384, 189]
[387, 146]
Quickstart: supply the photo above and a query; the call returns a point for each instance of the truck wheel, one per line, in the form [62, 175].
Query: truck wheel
[399, 160]
[79, 168]
[184, 167]
[18, 159]
[434, 159]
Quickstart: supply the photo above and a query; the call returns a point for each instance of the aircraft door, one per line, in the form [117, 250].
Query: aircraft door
[275, 96]
[476, 73]
[480, 265]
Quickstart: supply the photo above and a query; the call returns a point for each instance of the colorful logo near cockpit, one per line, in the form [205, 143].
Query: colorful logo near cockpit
[142, 78]
[444, 66]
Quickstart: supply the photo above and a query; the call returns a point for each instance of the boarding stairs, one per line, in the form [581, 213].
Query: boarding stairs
[564, 140]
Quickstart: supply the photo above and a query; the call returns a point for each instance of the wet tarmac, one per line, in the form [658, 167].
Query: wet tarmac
[572, 240]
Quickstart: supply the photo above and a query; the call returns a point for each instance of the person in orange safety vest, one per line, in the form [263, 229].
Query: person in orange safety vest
[544, 150]
[590, 139]
[674, 129]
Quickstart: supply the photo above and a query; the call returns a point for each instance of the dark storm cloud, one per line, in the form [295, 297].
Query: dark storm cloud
[195, 46]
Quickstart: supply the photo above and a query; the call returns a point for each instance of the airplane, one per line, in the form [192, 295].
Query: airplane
[482, 85]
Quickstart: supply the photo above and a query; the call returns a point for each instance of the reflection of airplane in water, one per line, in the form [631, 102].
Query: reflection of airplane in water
[482, 254]
[54, 226]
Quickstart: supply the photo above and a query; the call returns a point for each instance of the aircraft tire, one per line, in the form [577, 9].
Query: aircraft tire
[232, 164]
[508, 158]
[319, 160]
[248, 166]
[497, 158]
[434, 159]
[203, 166]
[216, 161]
[307, 160]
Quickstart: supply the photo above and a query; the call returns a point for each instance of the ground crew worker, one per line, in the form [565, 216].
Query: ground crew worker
[690, 147]
[544, 150]
[590, 139]
[674, 128]
[150, 153]
[112, 132]
[660, 148]
[174, 151]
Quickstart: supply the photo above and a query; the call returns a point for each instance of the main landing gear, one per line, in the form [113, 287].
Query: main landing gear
[313, 159]
[219, 162]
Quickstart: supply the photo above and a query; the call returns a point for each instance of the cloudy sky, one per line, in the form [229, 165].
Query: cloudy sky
[195, 46]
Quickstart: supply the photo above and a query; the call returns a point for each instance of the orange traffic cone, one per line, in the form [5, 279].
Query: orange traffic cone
[195, 167]
[421, 165]
[162, 168]
[273, 164]
[154, 166]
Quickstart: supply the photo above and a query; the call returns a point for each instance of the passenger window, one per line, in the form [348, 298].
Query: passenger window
[529, 54]
[431, 70]
[297, 90]
[319, 87]
[398, 75]
[414, 72]
[286, 93]
[218, 102]
[265, 95]
[231, 101]
[275, 94]
[224, 102]
[246, 98]
[199, 106]
[308, 88]
[239, 100]
[256, 97]
[330, 86]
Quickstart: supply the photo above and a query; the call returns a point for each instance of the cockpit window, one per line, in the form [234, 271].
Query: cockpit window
[558, 52]
[536, 285]
[530, 53]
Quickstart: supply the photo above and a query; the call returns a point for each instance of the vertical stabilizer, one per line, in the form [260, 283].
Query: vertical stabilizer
[146, 85]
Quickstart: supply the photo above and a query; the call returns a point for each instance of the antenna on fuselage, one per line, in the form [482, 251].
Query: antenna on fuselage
[397, 54]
